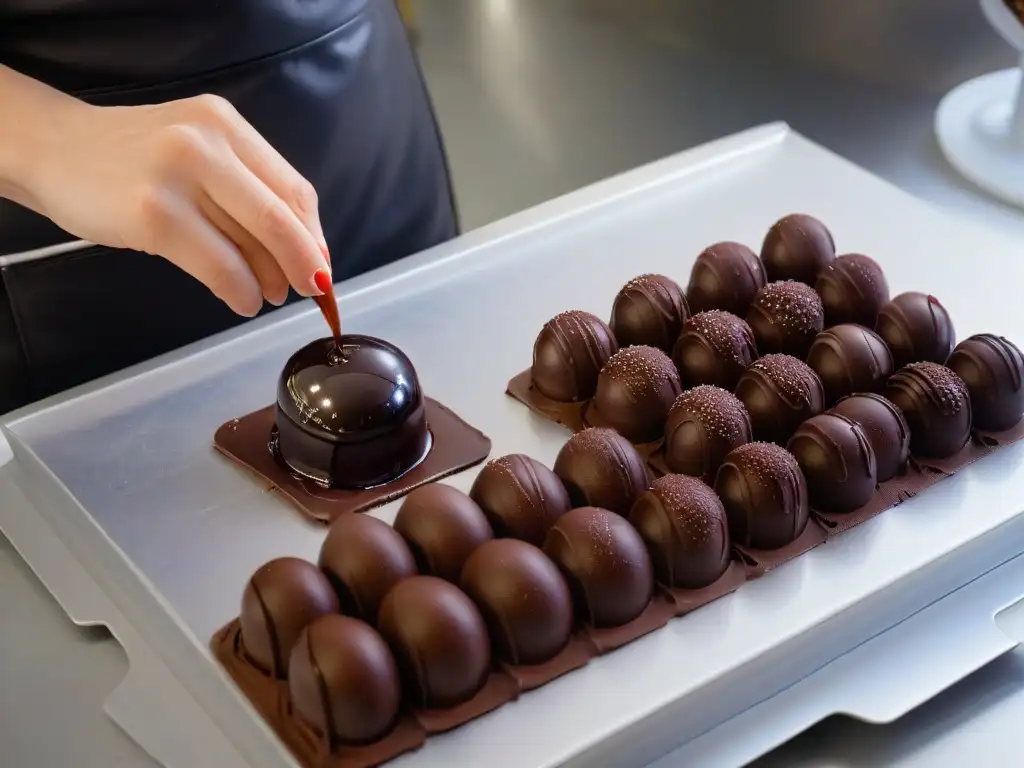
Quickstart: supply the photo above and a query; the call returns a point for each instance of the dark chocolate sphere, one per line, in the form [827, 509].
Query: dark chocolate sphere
[916, 328]
[524, 600]
[521, 497]
[439, 640]
[849, 359]
[605, 563]
[785, 317]
[343, 680]
[569, 353]
[884, 427]
[837, 461]
[600, 468]
[350, 418]
[364, 557]
[764, 494]
[649, 311]
[281, 598]
[853, 289]
[937, 406]
[715, 347]
[779, 392]
[725, 276]
[704, 424]
[634, 392]
[992, 368]
[797, 247]
[683, 524]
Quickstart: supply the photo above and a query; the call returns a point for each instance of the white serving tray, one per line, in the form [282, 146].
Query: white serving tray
[123, 474]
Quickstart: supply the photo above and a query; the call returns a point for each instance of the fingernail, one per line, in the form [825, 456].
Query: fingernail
[326, 252]
[322, 280]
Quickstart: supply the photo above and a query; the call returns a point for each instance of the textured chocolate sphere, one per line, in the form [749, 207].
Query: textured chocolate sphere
[634, 392]
[683, 524]
[364, 557]
[725, 276]
[884, 427]
[281, 598]
[605, 563]
[649, 311]
[524, 600]
[439, 640]
[714, 348]
[704, 424]
[853, 289]
[785, 317]
[837, 461]
[764, 494]
[992, 368]
[521, 497]
[916, 328]
[797, 247]
[937, 406]
[850, 359]
[343, 680]
[600, 468]
[568, 355]
[779, 392]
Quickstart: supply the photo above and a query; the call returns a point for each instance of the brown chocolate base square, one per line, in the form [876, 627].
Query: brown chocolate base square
[569, 415]
[689, 600]
[760, 561]
[656, 615]
[499, 689]
[576, 654]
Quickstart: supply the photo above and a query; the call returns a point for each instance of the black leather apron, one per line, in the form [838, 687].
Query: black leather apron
[332, 84]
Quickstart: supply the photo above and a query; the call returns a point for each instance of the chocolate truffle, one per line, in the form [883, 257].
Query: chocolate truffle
[917, 328]
[884, 427]
[837, 461]
[849, 359]
[350, 417]
[634, 392]
[343, 680]
[364, 557]
[764, 494]
[279, 601]
[779, 392]
[704, 424]
[853, 289]
[524, 600]
[797, 247]
[649, 311]
[442, 526]
[600, 468]
[785, 317]
[725, 276]
[605, 563]
[521, 497]
[683, 524]
[937, 406]
[992, 368]
[568, 355]
[439, 640]
[714, 348]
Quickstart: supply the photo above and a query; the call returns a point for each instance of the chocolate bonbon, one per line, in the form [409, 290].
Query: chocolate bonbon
[715, 347]
[993, 369]
[568, 355]
[884, 427]
[521, 497]
[916, 328]
[600, 468]
[837, 462]
[850, 359]
[797, 247]
[937, 406]
[853, 289]
[725, 276]
[785, 317]
[779, 392]
[704, 424]
[635, 389]
[649, 311]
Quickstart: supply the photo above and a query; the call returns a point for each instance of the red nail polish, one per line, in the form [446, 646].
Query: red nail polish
[322, 280]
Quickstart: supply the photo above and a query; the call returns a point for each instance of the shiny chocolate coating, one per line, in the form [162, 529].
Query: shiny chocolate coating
[601, 468]
[764, 494]
[853, 289]
[715, 347]
[605, 563]
[779, 392]
[524, 600]
[343, 680]
[364, 557]
[850, 359]
[785, 317]
[281, 598]
[704, 424]
[350, 418]
[439, 640]
[884, 427]
[442, 527]
[683, 523]
[634, 392]
[725, 276]
[569, 353]
[937, 406]
[992, 368]
[521, 497]
[837, 461]
[916, 328]
[649, 311]
[797, 247]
